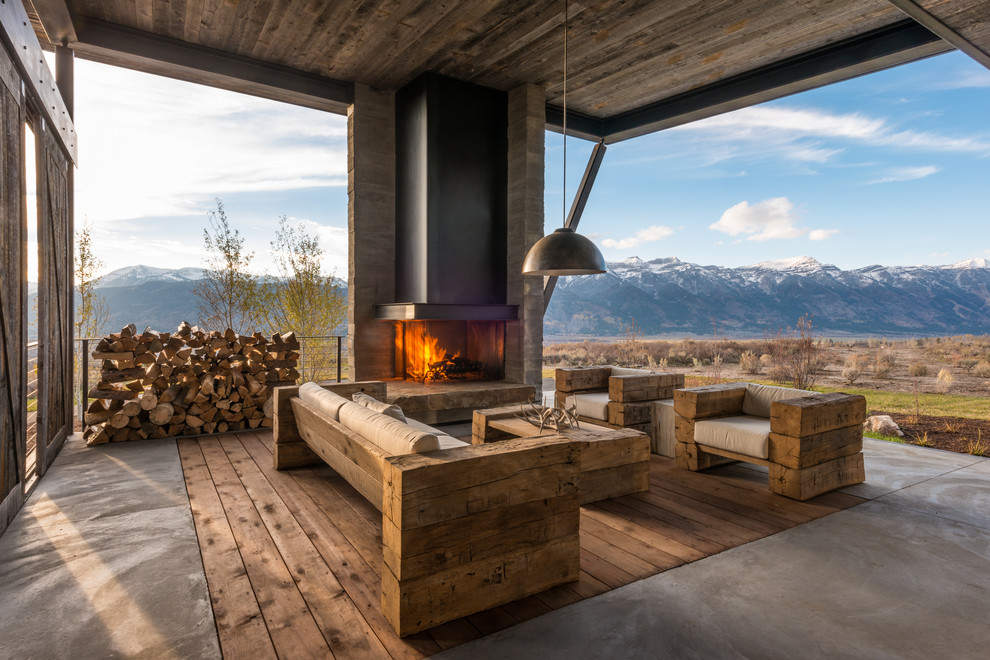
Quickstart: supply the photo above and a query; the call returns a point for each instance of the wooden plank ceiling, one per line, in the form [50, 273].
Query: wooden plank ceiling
[623, 54]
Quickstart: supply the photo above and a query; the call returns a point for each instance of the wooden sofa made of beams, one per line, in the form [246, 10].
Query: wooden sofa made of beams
[463, 529]
[814, 442]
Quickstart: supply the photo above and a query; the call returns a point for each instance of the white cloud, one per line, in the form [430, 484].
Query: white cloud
[805, 136]
[908, 174]
[821, 234]
[652, 233]
[769, 219]
[153, 147]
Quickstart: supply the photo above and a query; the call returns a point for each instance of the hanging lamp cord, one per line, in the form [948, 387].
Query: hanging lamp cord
[564, 202]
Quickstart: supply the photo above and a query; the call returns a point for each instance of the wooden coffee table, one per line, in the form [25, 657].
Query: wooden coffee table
[614, 462]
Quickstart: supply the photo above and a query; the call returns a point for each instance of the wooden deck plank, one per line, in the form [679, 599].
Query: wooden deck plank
[293, 630]
[240, 625]
[323, 543]
[742, 528]
[360, 582]
[631, 537]
[603, 570]
[340, 621]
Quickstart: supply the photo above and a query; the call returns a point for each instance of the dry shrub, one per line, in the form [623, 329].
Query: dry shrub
[917, 370]
[797, 356]
[943, 381]
[982, 369]
[853, 369]
[749, 362]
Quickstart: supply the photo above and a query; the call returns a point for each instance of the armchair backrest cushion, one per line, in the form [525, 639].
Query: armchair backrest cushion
[625, 371]
[389, 434]
[759, 398]
[325, 401]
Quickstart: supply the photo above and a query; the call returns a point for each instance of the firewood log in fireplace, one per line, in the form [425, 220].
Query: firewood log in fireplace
[454, 367]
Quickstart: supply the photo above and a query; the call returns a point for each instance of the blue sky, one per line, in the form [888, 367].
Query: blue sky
[890, 168]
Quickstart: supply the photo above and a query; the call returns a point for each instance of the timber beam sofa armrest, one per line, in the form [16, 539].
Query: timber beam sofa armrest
[816, 444]
[700, 403]
[574, 380]
[288, 447]
[643, 387]
[475, 527]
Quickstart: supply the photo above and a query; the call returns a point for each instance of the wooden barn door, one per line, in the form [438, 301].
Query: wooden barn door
[54, 308]
[13, 294]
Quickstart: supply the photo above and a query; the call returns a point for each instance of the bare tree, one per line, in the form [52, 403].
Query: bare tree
[92, 313]
[228, 292]
[300, 297]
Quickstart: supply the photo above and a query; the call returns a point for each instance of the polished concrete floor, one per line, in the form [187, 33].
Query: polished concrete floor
[103, 562]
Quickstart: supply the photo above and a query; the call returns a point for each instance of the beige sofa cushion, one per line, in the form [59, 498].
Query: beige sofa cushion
[323, 400]
[593, 405]
[742, 434]
[391, 435]
[625, 371]
[665, 439]
[759, 397]
[372, 403]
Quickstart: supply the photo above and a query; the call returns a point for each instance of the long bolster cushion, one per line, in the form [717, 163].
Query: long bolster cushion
[389, 434]
[446, 441]
[592, 404]
[743, 434]
[325, 401]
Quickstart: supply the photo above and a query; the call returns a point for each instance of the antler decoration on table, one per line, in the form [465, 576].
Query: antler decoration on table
[549, 417]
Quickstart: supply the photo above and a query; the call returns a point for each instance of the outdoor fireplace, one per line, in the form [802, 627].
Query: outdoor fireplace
[436, 351]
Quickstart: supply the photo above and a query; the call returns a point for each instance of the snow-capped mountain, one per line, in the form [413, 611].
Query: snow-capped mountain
[134, 275]
[671, 296]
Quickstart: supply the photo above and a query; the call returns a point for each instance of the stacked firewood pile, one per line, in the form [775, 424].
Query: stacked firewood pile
[158, 385]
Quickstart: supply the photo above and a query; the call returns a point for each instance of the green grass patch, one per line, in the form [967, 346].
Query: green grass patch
[938, 405]
[880, 436]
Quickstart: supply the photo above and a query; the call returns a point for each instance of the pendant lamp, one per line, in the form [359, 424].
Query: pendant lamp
[564, 252]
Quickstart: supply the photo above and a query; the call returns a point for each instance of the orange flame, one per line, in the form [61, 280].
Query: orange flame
[422, 350]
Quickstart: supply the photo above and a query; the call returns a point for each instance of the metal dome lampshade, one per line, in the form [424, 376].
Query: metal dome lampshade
[564, 252]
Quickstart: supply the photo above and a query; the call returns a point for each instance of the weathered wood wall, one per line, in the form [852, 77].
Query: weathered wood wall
[55, 283]
[25, 81]
[13, 293]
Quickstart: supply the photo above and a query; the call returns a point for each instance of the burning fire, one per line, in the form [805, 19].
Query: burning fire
[422, 351]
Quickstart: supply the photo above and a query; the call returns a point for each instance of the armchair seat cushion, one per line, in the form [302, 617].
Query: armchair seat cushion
[592, 404]
[742, 434]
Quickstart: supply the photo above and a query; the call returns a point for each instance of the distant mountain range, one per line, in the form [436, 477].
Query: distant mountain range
[671, 296]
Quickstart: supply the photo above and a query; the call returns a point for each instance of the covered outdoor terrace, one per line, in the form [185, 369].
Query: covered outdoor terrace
[197, 547]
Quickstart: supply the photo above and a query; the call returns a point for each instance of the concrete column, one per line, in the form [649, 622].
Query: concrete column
[370, 232]
[524, 338]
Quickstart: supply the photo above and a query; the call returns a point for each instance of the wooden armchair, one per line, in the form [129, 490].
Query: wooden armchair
[812, 443]
[614, 396]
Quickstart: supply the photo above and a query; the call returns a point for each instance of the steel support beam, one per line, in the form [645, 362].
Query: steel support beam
[56, 18]
[935, 24]
[880, 49]
[577, 207]
[150, 53]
